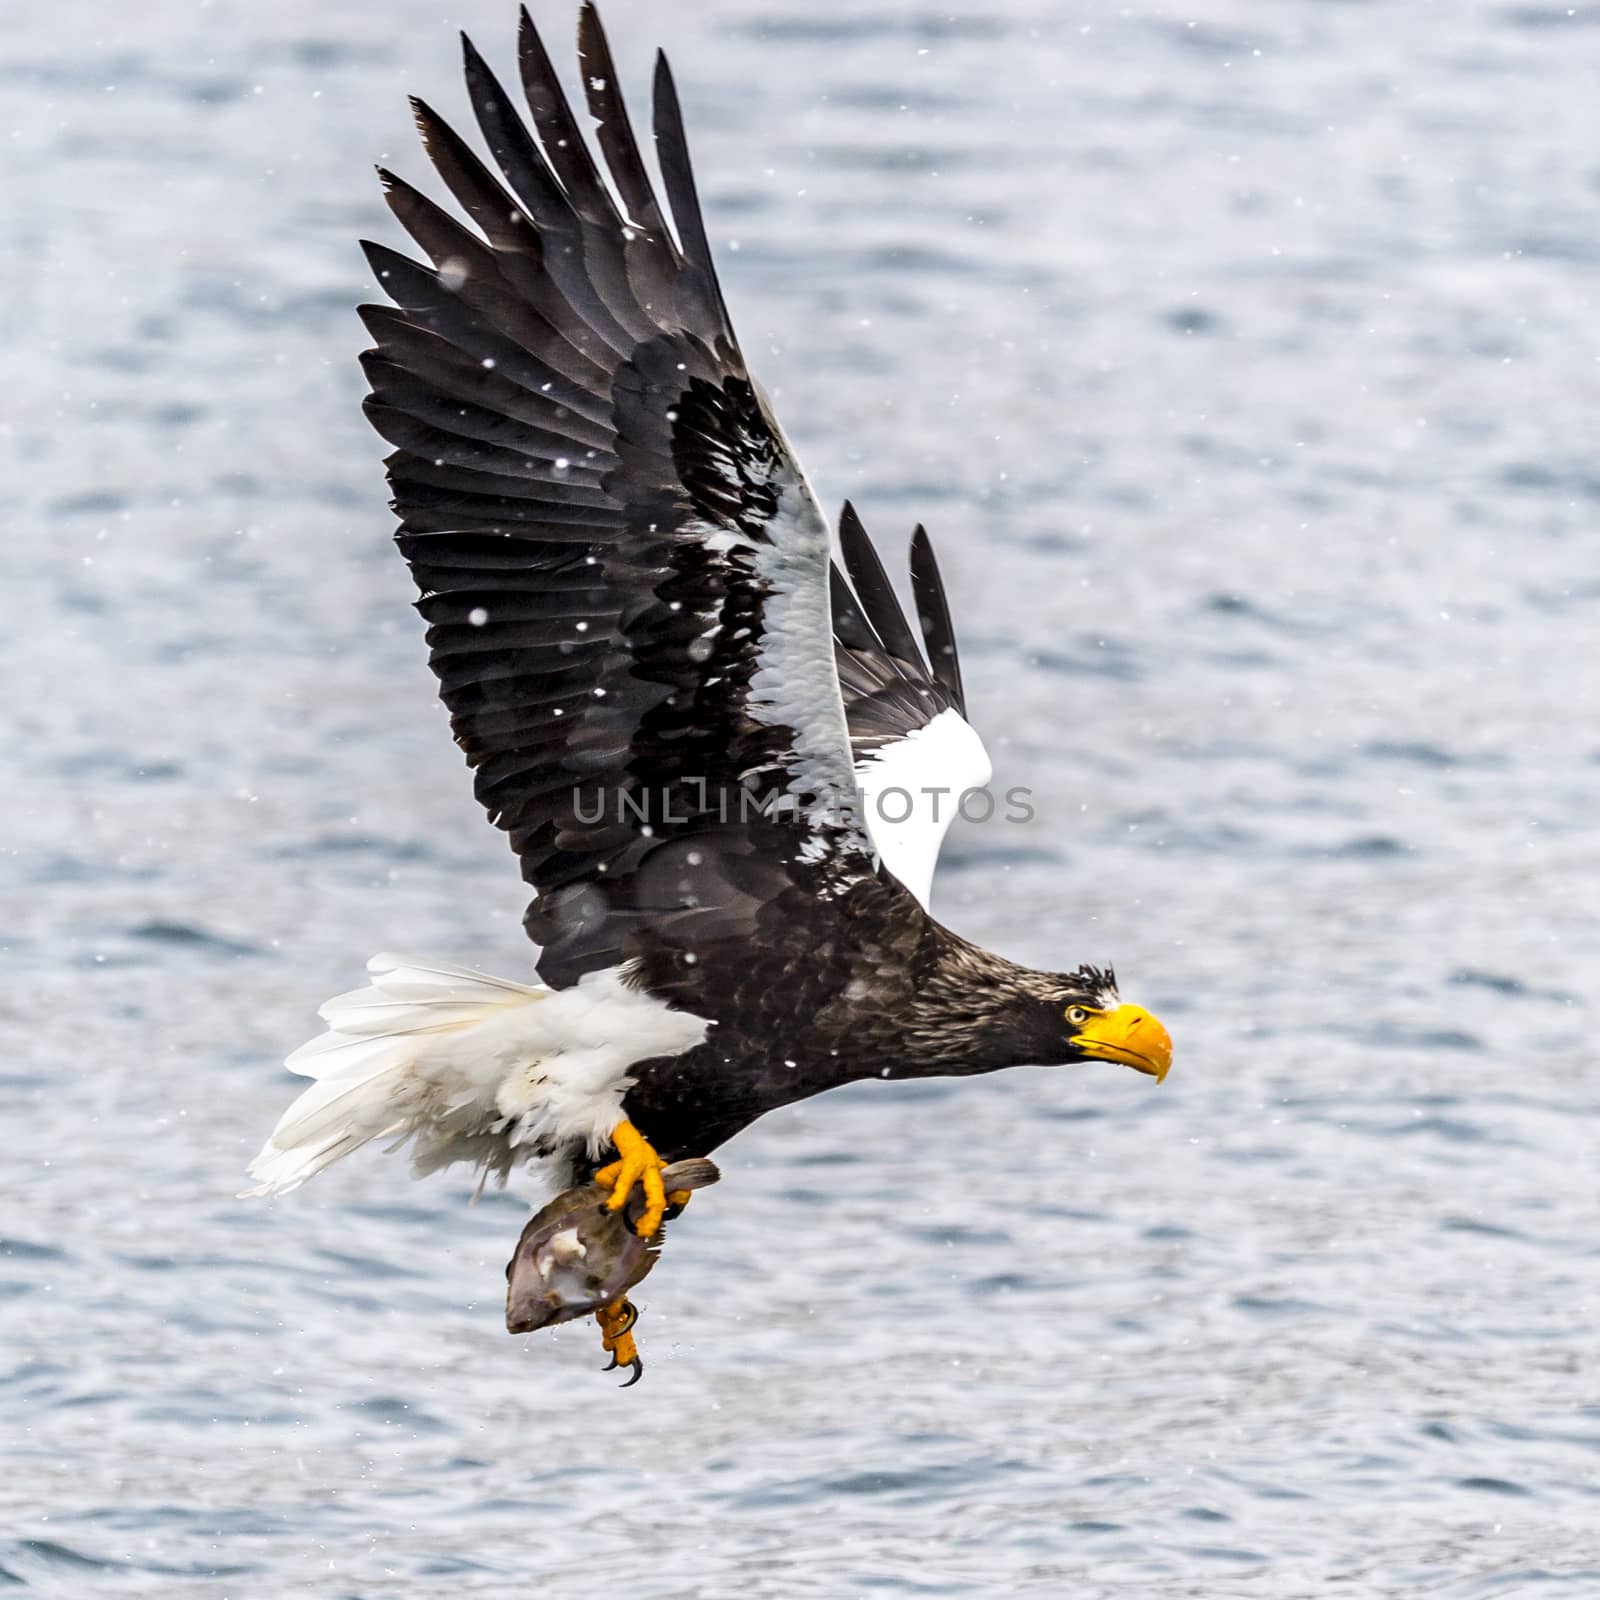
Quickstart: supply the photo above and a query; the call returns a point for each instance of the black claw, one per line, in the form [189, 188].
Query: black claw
[638, 1372]
[628, 1315]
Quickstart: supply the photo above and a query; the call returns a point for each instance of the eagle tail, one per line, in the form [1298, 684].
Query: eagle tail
[377, 1067]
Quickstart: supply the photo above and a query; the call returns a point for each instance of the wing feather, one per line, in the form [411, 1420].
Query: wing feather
[876, 592]
[613, 130]
[699, 292]
[933, 612]
[625, 575]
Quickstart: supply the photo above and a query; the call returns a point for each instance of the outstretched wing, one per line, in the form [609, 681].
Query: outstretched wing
[625, 574]
[915, 753]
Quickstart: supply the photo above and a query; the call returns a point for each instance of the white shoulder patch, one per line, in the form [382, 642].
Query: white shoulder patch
[911, 792]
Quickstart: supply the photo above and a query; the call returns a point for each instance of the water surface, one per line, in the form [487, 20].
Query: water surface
[1243, 362]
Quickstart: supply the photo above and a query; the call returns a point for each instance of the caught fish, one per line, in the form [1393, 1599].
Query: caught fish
[577, 1256]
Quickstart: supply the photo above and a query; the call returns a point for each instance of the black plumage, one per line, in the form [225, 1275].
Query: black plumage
[888, 689]
[627, 588]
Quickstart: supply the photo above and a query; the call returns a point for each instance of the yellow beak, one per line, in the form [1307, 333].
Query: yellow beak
[1129, 1035]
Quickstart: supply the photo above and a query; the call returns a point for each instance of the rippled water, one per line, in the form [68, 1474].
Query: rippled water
[1244, 362]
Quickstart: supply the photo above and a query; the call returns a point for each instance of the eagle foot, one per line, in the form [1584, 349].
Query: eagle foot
[637, 1162]
[616, 1335]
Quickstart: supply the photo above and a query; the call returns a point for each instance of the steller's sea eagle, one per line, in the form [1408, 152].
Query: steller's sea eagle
[675, 705]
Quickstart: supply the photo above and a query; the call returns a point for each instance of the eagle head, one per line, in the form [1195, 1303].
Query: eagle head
[1097, 1026]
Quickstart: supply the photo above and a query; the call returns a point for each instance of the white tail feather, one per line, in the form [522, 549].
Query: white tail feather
[388, 1064]
[472, 1068]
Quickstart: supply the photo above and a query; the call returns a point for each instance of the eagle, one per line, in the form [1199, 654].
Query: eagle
[721, 755]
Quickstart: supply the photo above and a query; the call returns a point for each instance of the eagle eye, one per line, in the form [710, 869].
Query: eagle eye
[1077, 1015]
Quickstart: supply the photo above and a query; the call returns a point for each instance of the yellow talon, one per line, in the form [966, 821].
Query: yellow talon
[637, 1162]
[616, 1336]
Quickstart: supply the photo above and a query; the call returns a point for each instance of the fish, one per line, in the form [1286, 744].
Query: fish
[576, 1255]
